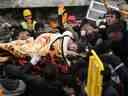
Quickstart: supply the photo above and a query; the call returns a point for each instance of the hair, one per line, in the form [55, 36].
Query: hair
[85, 21]
[52, 18]
[114, 12]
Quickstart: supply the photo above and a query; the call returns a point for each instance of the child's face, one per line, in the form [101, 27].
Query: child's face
[53, 24]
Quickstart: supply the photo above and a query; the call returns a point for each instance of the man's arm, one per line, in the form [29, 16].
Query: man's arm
[3, 59]
[61, 10]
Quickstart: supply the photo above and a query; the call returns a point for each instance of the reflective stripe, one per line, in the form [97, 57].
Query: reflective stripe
[25, 25]
[119, 66]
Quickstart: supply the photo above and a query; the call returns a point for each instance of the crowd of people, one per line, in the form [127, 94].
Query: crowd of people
[52, 59]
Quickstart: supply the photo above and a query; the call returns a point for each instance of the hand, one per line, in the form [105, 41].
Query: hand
[4, 59]
[61, 5]
[61, 8]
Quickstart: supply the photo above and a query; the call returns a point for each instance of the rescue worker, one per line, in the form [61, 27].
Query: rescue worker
[116, 33]
[116, 38]
[29, 23]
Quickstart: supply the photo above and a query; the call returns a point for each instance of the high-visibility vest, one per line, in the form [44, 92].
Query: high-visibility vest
[27, 27]
[95, 78]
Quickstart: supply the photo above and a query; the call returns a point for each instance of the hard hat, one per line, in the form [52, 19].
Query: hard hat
[27, 12]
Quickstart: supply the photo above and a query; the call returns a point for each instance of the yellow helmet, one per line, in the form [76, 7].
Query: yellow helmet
[27, 12]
